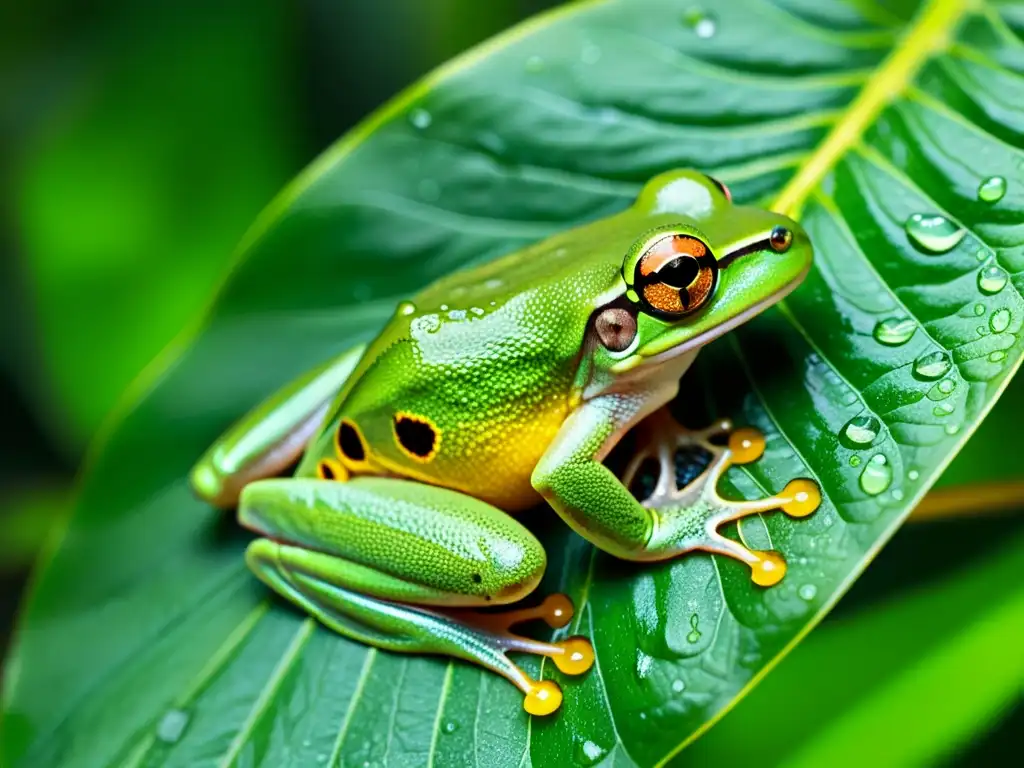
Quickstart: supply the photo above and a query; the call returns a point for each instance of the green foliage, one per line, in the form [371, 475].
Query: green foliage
[136, 188]
[146, 642]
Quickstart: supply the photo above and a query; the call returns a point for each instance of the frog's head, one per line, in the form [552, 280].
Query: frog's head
[701, 267]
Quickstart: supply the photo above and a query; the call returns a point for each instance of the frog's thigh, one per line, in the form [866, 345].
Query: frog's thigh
[272, 435]
[385, 562]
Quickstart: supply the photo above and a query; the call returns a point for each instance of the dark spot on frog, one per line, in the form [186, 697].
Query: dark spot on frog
[477, 578]
[349, 442]
[416, 435]
[323, 469]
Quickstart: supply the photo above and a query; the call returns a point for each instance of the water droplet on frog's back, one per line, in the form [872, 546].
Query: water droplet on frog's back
[172, 725]
[894, 331]
[932, 233]
[932, 366]
[992, 279]
[859, 431]
[992, 189]
[876, 476]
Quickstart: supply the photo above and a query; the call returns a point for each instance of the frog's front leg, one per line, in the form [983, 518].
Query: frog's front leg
[398, 564]
[272, 435]
[671, 521]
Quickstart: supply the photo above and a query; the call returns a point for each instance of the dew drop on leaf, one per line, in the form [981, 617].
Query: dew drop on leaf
[807, 592]
[952, 429]
[943, 409]
[992, 189]
[589, 752]
[932, 233]
[678, 686]
[172, 725]
[420, 118]
[997, 356]
[703, 24]
[876, 476]
[913, 474]
[932, 366]
[894, 331]
[860, 431]
[979, 309]
[992, 279]
[999, 321]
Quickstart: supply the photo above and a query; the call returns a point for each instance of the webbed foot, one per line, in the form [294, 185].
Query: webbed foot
[688, 517]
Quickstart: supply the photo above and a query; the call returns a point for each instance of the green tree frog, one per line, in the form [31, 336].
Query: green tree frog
[492, 389]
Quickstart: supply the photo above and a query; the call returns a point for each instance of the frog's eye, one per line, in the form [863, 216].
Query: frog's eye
[780, 239]
[675, 275]
[724, 189]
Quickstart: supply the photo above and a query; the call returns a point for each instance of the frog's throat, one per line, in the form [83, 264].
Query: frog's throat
[667, 346]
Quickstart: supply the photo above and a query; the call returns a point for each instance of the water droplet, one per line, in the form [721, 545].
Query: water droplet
[999, 321]
[992, 279]
[942, 390]
[992, 189]
[534, 64]
[451, 727]
[913, 474]
[694, 635]
[932, 233]
[860, 431]
[322, 757]
[981, 254]
[982, 330]
[932, 366]
[643, 664]
[590, 54]
[897, 495]
[952, 429]
[807, 591]
[943, 409]
[701, 22]
[855, 461]
[405, 309]
[494, 282]
[420, 118]
[457, 314]
[678, 686]
[894, 331]
[589, 752]
[476, 311]
[997, 356]
[876, 476]
[172, 725]
[979, 309]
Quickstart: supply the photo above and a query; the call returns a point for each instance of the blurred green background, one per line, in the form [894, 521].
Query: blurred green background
[139, 141]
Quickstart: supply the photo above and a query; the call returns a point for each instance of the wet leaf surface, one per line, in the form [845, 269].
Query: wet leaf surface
[147, 643]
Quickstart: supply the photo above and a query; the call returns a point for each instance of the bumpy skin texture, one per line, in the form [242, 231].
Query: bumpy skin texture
[491, 387]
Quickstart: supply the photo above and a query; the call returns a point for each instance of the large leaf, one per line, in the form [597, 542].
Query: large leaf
[145, 641]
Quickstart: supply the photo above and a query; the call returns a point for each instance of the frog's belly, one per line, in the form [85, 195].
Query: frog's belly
[489, 458]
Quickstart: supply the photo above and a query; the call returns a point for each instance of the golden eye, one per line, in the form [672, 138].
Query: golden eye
[677, 274]
[780, 239]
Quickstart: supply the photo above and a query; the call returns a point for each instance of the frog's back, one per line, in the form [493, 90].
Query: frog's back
[471, 380]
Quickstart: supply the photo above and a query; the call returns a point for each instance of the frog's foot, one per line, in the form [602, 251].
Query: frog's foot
[688, 517]
[572, 656]
[326, 587]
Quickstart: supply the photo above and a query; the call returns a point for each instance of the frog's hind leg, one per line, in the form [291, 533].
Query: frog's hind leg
[688, 518]
[272, 436]
[398, 565]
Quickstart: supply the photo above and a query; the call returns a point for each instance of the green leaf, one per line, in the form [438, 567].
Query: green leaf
[130, 196]
[918, 674]
[145, 641]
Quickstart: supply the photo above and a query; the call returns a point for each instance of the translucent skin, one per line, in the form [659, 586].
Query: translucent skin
[487, 391]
